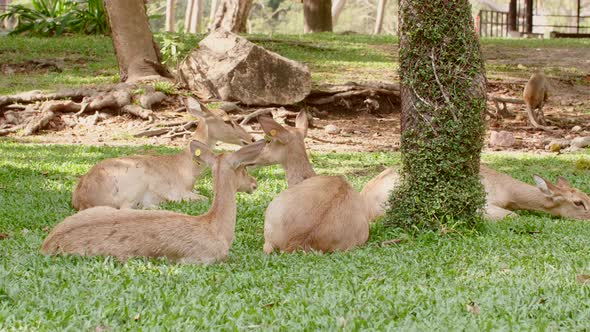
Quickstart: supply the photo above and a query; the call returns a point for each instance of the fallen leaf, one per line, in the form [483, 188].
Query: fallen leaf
[505, 270]
[390, 242]
[4, 236]
[269, 305]
[583, 279]
[137, 317]
[24, 231]
[102, 328]
[473, 308]
[46, 229]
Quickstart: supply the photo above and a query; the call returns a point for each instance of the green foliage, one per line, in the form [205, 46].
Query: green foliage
[443, 71]
[55, 17]
[165, 87]
[520, 272]
[174, 47]
[91, 18]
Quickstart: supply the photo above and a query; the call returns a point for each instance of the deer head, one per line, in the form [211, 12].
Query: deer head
[564, 200]
[235, 162]
[283, 143]
[217, 126]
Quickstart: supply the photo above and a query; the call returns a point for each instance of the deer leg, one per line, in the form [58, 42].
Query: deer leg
[191, 196]
[495, 213]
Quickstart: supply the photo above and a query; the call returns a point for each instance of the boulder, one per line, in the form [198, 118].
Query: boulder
[581, 142]
[228, 67]
[332, 129]
[557, 144]
[502, 138]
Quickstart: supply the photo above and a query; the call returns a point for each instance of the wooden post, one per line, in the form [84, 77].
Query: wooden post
[512, 16]
[529, 17]
[578, 18]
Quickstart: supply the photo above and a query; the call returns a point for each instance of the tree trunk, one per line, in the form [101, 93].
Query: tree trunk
[196, 15]
[232, 15]
[380, 14]
[214, 5]
[337, 7]
[170, 20]
[317, 15]
[188, 14]
[443, 101]
[137, 53]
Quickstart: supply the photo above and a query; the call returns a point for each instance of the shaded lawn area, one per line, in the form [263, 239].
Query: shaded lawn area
[332, 58]
[520, 273]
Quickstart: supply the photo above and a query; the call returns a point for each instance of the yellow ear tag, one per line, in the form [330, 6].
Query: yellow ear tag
[273, 132]
[197, 152]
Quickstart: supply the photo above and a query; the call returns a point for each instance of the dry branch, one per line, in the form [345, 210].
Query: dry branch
[255, 114]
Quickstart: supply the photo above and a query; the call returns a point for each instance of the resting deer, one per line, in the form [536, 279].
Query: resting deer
[504, 194]
[146, 181]
[125, 233]
[321, 213]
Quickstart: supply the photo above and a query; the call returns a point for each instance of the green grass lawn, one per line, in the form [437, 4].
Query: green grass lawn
[332, 58]
[520, 273]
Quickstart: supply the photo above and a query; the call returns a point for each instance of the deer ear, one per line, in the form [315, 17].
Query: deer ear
[302, 122]
[202, 131]
[247, 155]
[545, 186]
[202, 153]
[562, 182]
[273, 129]
[195, 108]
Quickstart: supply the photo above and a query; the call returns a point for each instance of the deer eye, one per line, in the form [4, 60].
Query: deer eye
[580, 204]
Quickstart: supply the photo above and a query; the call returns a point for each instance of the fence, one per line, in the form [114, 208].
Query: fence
[496, 23]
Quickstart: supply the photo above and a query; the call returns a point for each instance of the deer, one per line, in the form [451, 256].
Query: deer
[127, 233]
[535, 94]
[320, 213]
[145, 181]
[504, 195]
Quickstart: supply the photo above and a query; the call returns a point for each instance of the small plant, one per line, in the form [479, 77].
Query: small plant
[165, 87]
[91, 18]
[47, 18]
[582, 164]
[175, 47]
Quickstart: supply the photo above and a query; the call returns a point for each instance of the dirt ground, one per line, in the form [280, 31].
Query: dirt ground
[373, 123]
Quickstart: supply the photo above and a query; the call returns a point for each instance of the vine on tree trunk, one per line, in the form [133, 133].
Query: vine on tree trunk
[443, 101]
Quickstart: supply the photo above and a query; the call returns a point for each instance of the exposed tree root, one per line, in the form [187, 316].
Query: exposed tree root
[332, 93]
[34, 110]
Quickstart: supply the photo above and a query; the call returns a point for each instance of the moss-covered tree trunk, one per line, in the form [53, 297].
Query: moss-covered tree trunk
[443, 99]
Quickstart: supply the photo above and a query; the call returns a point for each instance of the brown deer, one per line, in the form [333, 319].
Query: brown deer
[322, 213]
[535, 95]
[146, 181]
[504, 194]
[125, 233]
[376, 192]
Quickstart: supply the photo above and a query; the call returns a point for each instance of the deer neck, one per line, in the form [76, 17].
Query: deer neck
[527, 197]
[186, 161]
[298, 168]
[222, 214]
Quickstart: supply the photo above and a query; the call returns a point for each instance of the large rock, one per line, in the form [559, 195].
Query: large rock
[229, 67]
[502, 138]
[581, 142]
